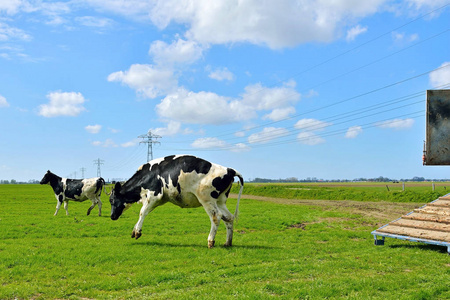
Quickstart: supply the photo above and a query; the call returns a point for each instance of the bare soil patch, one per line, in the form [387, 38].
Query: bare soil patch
[381, 211]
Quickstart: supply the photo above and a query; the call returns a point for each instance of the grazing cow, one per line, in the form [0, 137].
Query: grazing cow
[186, 181]
[75, 189]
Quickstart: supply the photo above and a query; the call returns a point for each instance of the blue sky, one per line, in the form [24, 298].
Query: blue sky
[274, 89]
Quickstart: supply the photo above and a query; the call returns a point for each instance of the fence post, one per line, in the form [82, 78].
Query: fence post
[403, 186]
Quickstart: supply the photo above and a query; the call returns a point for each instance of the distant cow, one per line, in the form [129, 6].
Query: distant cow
[186, 181]
[75, 189]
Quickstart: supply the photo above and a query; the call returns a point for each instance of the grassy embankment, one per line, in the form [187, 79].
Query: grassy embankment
[361, 191]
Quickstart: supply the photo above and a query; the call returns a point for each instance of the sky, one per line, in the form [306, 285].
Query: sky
[274, 89]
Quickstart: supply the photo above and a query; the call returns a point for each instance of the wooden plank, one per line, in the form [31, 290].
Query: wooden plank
[434, 210]
[427, 217]
[429, 225]
[440, 202]
[445, 197]
[416, 233]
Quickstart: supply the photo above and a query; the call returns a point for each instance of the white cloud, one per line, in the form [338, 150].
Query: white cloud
[425, 4]
[10, 6]
[441, 77]
[221, 75]
[131, 143]
[396, 124]
[309, 138]
[62, 104]
[311, 125]
[97, 22]
[108, 143]
[280, 113]
[353, 132]
[210, 108]
[172, 128]
[352, 33]
[203, 108]
[239, 134]
[215, 143]
[402, 38]
[267, 134]
[264, 98]
[240, 147]
[210, 142]
[7, 33]
[93, 128]
[3, 102]
[277, 24]
[180, 51]
[137, 9]
[149, 81]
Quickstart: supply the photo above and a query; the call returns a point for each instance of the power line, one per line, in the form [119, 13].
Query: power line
[372, 109]
[377, 123]
[349, 99]
[130, 158]
[361, 45]
[149, 139]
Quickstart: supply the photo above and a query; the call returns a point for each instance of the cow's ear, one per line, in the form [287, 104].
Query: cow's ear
[117, 187]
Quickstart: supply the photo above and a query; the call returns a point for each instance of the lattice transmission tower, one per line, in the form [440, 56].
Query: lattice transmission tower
[98, 162]
[149, 139]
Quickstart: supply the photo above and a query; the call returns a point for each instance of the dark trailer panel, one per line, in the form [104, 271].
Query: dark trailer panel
[437, 145]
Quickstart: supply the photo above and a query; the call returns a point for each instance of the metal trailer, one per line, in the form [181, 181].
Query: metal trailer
[436, 234]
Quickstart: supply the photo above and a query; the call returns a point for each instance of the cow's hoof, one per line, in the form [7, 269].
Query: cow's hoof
[136, 235]
[226, 245]
[211, 244]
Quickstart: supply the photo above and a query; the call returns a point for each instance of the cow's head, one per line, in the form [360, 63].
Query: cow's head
[46, 178]
[118, 202]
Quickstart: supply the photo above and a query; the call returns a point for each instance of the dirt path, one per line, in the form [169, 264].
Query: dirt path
[382, 211]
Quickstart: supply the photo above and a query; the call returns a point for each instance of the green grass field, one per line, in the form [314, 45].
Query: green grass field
[288, 250]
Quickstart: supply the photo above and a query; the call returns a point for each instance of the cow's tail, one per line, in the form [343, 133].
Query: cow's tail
[241, 182]
[100, 185]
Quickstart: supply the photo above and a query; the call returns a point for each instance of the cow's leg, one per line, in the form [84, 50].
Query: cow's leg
[215, 215]
[228, 218]
[59, 201]
[91, 207]
[95, 201]
[99, 203]
[149, 202]
[58, 206]
[66, 207]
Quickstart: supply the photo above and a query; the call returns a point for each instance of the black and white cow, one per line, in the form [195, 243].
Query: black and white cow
[75, 189]
[186, 181]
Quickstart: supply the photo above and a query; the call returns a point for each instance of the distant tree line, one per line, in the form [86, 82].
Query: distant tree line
[314, 179]
[13, 181]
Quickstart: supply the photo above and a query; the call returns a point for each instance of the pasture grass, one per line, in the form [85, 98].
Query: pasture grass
[280, 251]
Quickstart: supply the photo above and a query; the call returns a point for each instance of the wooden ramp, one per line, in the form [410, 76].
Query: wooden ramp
[429, 224]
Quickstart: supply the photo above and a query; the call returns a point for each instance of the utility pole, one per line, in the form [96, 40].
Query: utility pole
[82, 172]
[98, 162]
[149, 139]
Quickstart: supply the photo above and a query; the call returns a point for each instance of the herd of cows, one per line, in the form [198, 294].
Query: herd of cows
[184, 180]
